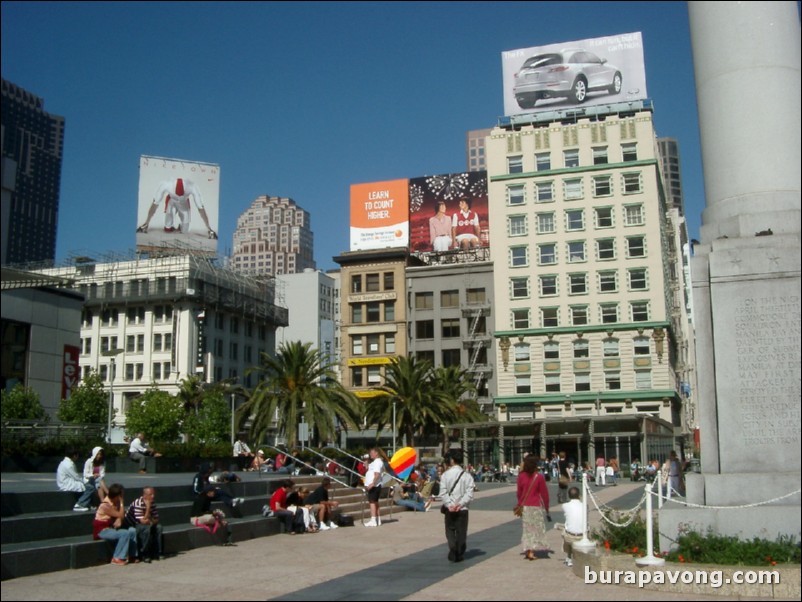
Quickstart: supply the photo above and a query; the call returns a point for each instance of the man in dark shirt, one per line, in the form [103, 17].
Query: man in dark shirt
[321, 506]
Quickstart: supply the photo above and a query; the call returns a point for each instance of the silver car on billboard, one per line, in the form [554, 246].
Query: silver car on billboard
[571, 73]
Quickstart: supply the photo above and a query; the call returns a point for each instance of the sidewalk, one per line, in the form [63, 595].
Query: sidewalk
[404, 559]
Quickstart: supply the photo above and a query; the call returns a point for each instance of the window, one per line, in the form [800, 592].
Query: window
[636, 246]
[632, 183]
[578, 284]
[373, 344]
[389, 311]
[475, 296]
[129, 372]
[372, 283]
[610, 348]
[612, 381]
[571, 158]
[449, 299]
[233, 351]
[374, 375]
[130, 343]
[544, 192]
[605, 249]
[521, 351]
[547, 254]
[356, 313]
[582, 381]
[356, 283]
[604, 217]
[543, 161]
[545, 223]
[424, 329]
[140, 371]
[136, 315]
[357, 378]
[633, 215]
[551, 350]
[643, 379]
[515, 164]
[168, 341]
[519, 288]
[574, 220]
[552, 383]
[609, 313]
[548, 286]
[640, 311]
[373, 311]
[156, 372]
[519, 257]
[638, 279]
[523, 384]
[86, 347]
[572, 189]
[629, 152]
[516, 225]
[451, 357]
[581, 348]
[450, 328]
[601, 186]
[515, 195]
[576, 251]
[549, 316]
[641, 346]
[600, 155]
[520, 319]
[389, 281]
[478, 325]
[356, 346]
[424, 300]
[389, 343]
[608, 281]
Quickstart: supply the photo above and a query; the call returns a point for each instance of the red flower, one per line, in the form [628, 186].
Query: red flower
[773, 563]
[607, 545]
[635, 550]
[681, 558]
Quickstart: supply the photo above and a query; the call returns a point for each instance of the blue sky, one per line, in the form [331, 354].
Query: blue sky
[300, 99]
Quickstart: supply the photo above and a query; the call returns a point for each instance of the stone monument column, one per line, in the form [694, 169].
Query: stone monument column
[746, 271]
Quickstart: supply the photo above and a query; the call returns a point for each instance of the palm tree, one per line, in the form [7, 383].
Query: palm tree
[408, 387]
[296, 382]
[454, 386]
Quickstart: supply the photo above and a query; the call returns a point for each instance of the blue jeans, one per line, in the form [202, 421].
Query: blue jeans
[126, 541]
[412, 504]
[86, 497]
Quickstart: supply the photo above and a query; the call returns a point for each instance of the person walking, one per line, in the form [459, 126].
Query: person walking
[456, 488]
[533, 498]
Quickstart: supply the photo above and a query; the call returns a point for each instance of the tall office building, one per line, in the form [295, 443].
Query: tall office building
[475, 149]
[669, 160]
[273, 236]
[32, 148]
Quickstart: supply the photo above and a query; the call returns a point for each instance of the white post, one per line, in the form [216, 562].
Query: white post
[650, 559]
[585, 544]
[659, 480]
[394, 428]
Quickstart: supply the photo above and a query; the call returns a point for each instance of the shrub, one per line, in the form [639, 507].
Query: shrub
[21, 403]
[725, 549]
[630, 539]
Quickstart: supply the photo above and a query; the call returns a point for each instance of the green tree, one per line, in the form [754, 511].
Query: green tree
[21, 403]
[454, 386]
[296, 382]
[211, 423]
[88, 404]
[157, 414]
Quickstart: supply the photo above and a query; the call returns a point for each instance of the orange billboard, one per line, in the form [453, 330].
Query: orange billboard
[379, 215]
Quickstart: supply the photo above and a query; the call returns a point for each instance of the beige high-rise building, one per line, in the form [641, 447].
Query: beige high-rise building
[273, 236]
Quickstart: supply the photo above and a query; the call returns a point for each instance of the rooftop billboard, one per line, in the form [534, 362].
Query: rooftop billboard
[569, 74]
[379, 215]
[178, 205]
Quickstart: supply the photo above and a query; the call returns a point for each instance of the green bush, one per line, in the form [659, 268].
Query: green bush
[629, 540]
[21, 403]
[724, 549]
[88, 403]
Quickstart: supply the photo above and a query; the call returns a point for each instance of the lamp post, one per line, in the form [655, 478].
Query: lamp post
[394, 427]
[112, 355]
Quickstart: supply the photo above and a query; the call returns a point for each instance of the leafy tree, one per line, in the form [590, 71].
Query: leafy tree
[88, 404]
[157, 414]
[21, 403]
[296, 382]
[211, 423]
[454, 385]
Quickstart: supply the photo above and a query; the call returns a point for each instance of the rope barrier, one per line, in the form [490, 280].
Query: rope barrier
[763, 503]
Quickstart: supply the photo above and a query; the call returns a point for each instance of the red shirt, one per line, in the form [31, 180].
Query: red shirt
[539, 494]
[278, 501]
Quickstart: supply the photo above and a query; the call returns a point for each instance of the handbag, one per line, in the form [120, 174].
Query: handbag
[563, 483]
[444, 509]
[519, 508]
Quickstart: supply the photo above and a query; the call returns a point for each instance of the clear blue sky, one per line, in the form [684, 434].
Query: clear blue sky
[300, 99]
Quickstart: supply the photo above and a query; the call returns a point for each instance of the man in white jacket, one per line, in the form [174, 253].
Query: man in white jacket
[69, 479]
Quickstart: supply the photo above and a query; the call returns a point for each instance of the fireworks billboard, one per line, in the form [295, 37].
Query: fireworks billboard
[569, 74]
[379, 215]
[178, 205]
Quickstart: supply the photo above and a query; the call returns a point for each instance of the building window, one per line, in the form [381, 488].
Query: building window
[356, 313]
[520, 319]
[638, 280]
[543, 161]
[516, 225]
[373, 344]
[577, 284]
[544, 192]
[389, 343]
[605, 249]
[519, 288]
[551, 350]
[552, 383]
[603, 217]
[449, 299]
[636, 246]
[571, 157]
[515, 164]
[548, 286]
[130, 343]
[640, 311]
[356, 283]
[356, 345]
[372, 283]
[582, 381]
[515, 195]
[521, 351]
[608, 281]
[424, 300]
[641, 346]
[632, 183]
[156, 371]
[475, 296]
[547, 254]
[581, 348]
[643, 379]
[373, 311]
[389, 311]
[610, 348]
[601, 186]
[609, 313]
[612, 381]
[576, 251]
[549, 317]
[389, 281]
[629, 152]
[129, 372]
[136, 315]
[633, 215]
[574, 220]
[572, 189]
[523, 384]
[449, 328]
[424, 329]
[519, 256]
[600, 155]
[374, 375]
[86, 346]
[579, 315]
[545, 222]
[357, 377]
[451, 357]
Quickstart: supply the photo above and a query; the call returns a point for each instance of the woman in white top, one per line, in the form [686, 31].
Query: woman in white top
[373, 486]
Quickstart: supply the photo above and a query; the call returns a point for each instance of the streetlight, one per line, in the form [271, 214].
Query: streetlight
[394, 428]
[112, 354]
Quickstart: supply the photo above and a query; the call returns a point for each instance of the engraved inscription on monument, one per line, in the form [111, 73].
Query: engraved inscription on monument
[767, 331]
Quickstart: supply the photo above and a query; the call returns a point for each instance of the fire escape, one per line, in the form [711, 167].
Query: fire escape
[478, 343]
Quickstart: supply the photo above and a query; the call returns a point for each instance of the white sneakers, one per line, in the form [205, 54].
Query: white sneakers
[78, 508]
[569, 562]
[237, 501]
[372, 522]
[333, 525]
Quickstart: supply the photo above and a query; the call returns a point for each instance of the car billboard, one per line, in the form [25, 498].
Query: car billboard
[571, 74]
[448, 212]
[178, 205]
[379, 215]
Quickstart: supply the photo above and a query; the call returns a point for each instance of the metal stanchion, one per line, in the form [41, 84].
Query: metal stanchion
[584, 544]
[650, 559]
